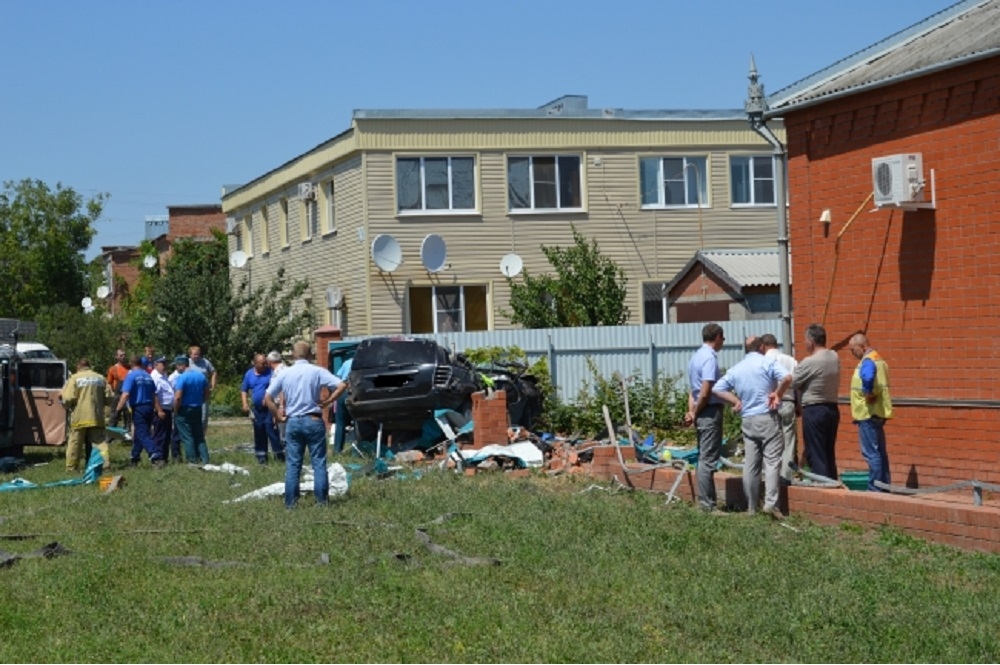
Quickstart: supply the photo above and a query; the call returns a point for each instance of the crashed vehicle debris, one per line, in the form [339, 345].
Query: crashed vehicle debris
[399, 382]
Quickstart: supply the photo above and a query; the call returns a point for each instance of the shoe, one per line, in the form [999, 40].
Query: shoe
[280, 457]
[133, 462]
[262, 461]
[774, 514]
[159, 464]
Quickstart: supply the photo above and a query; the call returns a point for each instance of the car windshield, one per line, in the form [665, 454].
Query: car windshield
[388, 352]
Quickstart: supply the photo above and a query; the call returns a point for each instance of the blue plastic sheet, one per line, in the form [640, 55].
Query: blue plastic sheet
[94, 467]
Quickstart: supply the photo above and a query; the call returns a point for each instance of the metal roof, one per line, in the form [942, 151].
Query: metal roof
[966, 31]
[739, 268]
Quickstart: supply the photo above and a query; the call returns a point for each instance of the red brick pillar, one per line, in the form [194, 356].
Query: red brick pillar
[489, 413]
[322, 338]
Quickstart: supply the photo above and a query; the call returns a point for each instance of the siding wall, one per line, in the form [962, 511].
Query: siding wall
[649, 244]
[924, 285]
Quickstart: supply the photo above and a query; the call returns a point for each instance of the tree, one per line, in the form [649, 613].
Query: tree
[73, 334]
[193, 302]
[43, 234]
[588, 289]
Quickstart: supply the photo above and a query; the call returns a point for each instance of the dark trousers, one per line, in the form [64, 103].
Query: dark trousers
[264, 431]
[819, 429]
[341, 419]
[162, 430]
[142, 436]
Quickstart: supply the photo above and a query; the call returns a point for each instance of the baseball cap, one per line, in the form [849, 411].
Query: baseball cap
[181, 360]
[160, 359]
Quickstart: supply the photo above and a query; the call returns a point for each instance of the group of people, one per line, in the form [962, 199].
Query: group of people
[164, 410]
[286, 404]
[771, 390]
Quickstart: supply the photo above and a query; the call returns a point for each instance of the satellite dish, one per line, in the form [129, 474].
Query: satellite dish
[103, 292]
[386, 252]
[511, 265]
[86, 303]
[434, 253]
[334, 297]
[238, 259]
[149, 261]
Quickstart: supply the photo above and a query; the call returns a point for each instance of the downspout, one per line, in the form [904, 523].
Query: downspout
[755, 107]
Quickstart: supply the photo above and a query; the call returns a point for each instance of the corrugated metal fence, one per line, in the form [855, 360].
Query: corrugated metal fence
[646, 350]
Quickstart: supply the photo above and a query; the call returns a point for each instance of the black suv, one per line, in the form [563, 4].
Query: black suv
[400, 381]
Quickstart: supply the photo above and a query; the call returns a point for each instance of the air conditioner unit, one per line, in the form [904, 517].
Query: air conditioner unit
[230, 225]
[898, 180]
[307, 191]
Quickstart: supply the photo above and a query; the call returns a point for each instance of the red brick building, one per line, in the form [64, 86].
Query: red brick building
[924, 284]
[183, 221]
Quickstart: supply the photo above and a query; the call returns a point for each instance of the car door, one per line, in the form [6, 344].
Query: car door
[39, 415]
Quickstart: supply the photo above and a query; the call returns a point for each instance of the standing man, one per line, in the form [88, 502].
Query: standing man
[302, 384]
[139, 391]
[817, 379]
[277, 364]
[115, 379]
[190, 394]
[255, 383]
[205, 367]
[149, 359]
[164, 420]
[755, 387]
[871, 406]
[341, 416]
[84, 395]
[705, 411]
[786, 411]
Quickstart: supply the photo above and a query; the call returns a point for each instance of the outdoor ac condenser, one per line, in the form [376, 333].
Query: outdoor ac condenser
[898, 180]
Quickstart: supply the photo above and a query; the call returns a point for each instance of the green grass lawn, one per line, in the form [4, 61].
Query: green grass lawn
[585, 576]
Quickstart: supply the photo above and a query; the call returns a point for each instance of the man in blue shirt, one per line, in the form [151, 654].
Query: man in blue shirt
[190, 394]
[755, 386]
[139, 391]
[302, 385]
[705, 411]
[255, 383]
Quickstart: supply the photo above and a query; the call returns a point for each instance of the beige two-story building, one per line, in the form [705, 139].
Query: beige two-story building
[401, 222]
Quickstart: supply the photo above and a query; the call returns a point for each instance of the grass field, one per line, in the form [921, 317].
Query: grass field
[586, 575]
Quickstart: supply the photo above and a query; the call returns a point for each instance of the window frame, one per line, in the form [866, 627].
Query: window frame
[664, 301]
[329, 222]
[532, 183]
[265, 245]
[248, 227]
[310, 209]
[424, 211]
[753, 203]
[283, 227]
[700, 172]
[462, 312]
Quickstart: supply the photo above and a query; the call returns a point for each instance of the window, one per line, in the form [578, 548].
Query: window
[654, 303]
[283, 223]
[330, 223]
[752, 180]
[673, 181]
[240, 231]
[264, 230]
[544, 183]
[248, 228]
[310, 222]
[439, 309]
[435, 183]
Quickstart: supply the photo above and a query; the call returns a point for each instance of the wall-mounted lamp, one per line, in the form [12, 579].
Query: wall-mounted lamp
[824, 218]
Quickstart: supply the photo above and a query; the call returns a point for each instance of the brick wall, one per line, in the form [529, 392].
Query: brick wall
[924, 285]
[195, 221]
[489, 413]
[960, 524]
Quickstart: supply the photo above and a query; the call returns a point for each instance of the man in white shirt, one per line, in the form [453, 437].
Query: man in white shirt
[787, 409]
[163, 420]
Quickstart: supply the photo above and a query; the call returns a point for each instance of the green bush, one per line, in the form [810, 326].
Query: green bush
[226, 402]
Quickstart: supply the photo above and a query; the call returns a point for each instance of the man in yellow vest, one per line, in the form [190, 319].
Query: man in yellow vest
[84, 395]
[871, 406]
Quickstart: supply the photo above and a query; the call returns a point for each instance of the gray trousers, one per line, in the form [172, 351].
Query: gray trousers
[708, 423]
[763, 445]
[786, 412]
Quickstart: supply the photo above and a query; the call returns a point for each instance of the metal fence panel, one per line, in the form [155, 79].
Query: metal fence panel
[645, 350]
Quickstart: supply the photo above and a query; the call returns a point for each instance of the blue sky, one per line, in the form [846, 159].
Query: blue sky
[162, 103]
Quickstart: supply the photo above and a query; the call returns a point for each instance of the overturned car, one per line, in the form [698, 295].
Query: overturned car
[398, 382]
